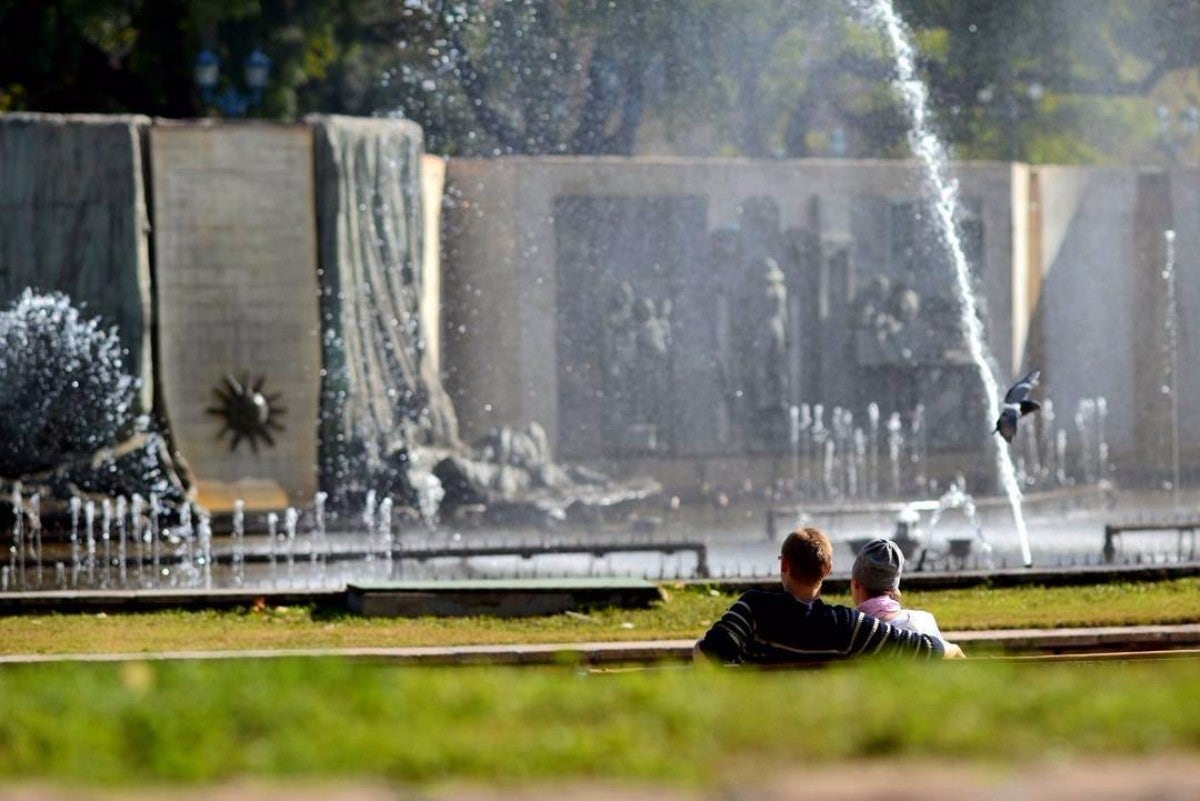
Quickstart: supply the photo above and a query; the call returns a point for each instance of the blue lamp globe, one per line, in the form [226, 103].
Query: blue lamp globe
[258, 70]
[206, 69]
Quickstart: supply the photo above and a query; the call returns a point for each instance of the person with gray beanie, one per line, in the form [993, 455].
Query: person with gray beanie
[794, 626]
[875, 588]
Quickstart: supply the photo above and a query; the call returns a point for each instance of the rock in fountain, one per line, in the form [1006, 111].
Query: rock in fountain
[510, 473]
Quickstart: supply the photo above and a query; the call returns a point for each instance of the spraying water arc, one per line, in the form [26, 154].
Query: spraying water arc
[931, 153]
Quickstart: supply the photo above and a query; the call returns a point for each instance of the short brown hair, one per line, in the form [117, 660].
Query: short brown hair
[808, 553]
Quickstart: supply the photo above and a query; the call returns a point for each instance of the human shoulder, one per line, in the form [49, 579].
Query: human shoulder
[922, 622]
[839, 611]
[763, 599]
[755, 596]
[778, 606]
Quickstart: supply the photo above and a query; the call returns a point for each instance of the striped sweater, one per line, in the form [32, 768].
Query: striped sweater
[773, 627]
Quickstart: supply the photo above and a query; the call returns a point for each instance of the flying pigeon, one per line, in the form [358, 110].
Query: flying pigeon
[1017, 405]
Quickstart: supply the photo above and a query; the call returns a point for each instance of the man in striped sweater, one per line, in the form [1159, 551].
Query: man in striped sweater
[797, 626]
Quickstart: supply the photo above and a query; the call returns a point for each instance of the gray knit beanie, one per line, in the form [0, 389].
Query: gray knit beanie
[878, 566]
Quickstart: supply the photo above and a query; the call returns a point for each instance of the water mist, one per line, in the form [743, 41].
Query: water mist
[943, 189]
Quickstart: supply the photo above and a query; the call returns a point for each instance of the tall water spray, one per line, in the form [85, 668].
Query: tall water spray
[930, 152]
[238, 558]
[1170, 385]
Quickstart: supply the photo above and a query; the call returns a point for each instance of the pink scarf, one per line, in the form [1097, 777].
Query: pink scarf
[881, 606]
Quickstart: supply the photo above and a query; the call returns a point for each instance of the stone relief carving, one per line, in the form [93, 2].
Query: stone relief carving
[896, 326]
[636, 362]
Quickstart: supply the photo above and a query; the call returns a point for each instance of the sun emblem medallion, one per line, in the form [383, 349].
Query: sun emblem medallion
[248, 412]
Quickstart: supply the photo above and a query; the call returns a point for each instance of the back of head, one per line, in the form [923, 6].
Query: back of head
[878, 567]
[808, 553]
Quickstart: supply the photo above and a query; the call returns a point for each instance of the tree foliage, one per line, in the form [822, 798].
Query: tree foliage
[762, 78]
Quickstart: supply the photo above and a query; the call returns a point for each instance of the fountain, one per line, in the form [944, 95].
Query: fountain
[956, 498]
[192, 555]
[1170, 386]
[238, 558]
[709, 307]
[944, 191]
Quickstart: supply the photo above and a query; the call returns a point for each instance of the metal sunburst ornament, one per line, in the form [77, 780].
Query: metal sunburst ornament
[248, 413]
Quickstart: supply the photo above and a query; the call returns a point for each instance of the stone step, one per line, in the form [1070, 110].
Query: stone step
[498, 597]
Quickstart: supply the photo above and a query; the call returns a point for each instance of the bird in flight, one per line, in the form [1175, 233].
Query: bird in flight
[1016, 406]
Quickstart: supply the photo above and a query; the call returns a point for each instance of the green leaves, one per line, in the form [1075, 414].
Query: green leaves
[764, 78]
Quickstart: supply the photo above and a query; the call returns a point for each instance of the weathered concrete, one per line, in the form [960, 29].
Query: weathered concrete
[1185, 219]
[17, 603]
[1088, 305]
[236, 261]
[502, 289]
[498, 597]
[1070, 274]
[381, 392]
[433, 187]
[73, 219]
[116, 601]
[1104, 639]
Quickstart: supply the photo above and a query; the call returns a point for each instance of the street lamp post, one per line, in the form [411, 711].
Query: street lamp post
[1175, 134]
[837, 142]
[1033, 92]
[256, 71]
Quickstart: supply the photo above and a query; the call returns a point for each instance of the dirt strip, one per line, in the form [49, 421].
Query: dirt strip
[1153, 778]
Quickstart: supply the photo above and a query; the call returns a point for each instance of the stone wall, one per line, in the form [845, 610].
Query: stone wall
[1185, 213]
[382, 401]
[233, 251]
[1071, 278]
[535, 245]
[1102, 316]
[537, 251]
[1087, 302]
[236, 267]
[73, 219]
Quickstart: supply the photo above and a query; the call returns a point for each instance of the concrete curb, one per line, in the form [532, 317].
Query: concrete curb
[1081, 640]
[92, 601]
[1110, 641]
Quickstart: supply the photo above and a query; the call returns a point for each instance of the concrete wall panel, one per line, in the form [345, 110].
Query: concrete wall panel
[1089, 294]
[1185, 203]
[236, 259]
[501, 264]
[73, 219]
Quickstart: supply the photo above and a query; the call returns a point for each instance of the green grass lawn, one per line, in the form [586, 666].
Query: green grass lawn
[148, 723]
[685, 613]
[154, 723]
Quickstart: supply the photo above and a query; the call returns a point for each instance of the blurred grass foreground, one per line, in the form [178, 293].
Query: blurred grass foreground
[145, 723]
